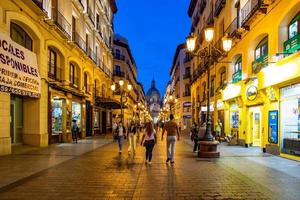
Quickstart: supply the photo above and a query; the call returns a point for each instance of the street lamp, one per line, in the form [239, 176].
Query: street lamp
[208, 53]
[123, 95]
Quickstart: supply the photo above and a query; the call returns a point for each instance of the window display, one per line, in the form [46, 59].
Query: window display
[76, 113]
[234, 119]
[290, 119]
[57, 116]
[96, 120]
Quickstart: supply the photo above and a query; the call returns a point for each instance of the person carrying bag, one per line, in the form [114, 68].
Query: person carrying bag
[149, 139]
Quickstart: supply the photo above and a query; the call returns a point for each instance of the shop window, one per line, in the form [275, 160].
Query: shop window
[290, 119]
[20, 36]
[57, 116]
[76, 113]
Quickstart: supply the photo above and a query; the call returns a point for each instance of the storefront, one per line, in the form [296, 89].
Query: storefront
[221, 115]
[234, 117]
[20, 90]
[290, 119]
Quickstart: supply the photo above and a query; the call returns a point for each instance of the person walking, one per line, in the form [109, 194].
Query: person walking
[132, 131]
[218, 129]
[194, 136]
[171, 128]
[121, 131]
[75, 130]
[114, 131]
[149, 139]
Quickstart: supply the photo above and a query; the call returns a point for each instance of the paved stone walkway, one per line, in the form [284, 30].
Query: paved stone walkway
[104, 174]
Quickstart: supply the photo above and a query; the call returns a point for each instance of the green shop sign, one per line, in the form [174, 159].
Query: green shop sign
[292, 45]
[237, 76]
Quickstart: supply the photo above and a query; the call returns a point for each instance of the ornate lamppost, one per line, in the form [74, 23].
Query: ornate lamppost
[123, 94]
[208, 147]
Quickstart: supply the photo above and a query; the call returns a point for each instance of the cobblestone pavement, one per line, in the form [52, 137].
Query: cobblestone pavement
[104, 174]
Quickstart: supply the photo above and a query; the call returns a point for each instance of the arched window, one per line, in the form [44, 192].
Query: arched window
[261, 51]
[52, 63]
[20, 36]
[74, 78]
[294, 26]
[237, 74]
[238, 64]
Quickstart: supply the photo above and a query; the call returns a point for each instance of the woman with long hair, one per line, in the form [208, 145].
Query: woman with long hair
[148, 141]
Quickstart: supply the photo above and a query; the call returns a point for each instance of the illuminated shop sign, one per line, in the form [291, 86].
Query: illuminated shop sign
[18, 69]
[252, 93]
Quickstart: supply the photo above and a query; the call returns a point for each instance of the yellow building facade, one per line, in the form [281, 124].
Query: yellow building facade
[125, 69]
[180, 73]
[72, 43]
[255, 86]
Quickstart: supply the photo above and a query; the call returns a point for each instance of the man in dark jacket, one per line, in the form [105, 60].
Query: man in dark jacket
[75, 130]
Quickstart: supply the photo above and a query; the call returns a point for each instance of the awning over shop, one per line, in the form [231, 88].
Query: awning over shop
[108, 103]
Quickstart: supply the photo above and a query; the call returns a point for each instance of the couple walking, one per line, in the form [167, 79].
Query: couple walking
[120, 135]
[150, 138]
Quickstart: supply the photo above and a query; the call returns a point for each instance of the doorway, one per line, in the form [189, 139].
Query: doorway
[104, 122]
[16, 119]
[89, 117]
[255, 126]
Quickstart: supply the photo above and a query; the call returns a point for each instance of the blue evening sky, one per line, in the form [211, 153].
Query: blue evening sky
[154, 28]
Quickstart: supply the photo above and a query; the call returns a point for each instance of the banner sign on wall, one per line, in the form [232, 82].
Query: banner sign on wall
[273, 126]
[18, 69]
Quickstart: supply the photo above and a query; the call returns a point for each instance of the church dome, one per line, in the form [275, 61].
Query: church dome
[153, 93]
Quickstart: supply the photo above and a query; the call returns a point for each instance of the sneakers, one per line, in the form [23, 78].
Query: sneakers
[120, 151]
[172, 162]
[146, 161]
[149, 163]
[168, 159]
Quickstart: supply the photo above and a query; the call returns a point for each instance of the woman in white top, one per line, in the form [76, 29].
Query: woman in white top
[150, 139]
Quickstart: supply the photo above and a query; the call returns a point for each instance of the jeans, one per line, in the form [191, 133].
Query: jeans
[74, 136]
[149, 148]
[120, 142]
[196, 145]
[132, 142]
[171, 141]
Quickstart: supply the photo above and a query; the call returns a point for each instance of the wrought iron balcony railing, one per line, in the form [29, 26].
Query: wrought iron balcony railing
[219, 5]
[57, 74]
[249, 9]
[232, 29]
[119, 73]
[79, 41]
[61, 22]
[119, 56]
[91, 14]
[40, 4]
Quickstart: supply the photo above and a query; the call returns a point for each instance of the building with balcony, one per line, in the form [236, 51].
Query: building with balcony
[180, 73]
[125, 69]
[255, 86]
[67, 69]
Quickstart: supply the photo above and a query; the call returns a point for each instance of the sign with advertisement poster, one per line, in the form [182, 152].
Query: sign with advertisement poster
[19, 72]
[273, 126]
